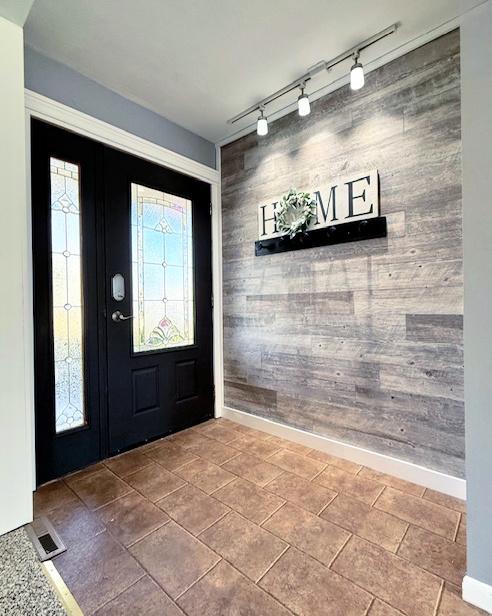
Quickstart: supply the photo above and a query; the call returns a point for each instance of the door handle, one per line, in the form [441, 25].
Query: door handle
[117, 316]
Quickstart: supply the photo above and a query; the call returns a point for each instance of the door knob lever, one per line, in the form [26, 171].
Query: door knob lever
[118, 316]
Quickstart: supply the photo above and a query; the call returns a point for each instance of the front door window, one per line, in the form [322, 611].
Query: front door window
[162, 270]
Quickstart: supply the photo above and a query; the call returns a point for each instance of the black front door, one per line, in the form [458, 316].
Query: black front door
[122, 301]
[159, 318]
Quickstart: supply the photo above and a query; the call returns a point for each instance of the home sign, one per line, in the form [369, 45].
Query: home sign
[345, 210]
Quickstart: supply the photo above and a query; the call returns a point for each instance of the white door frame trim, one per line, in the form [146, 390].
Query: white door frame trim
[43, 108]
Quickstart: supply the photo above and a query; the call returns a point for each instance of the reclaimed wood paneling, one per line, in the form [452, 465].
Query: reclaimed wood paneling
[362, 341]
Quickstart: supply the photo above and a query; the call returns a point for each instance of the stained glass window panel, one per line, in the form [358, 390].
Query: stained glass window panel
[162, 270]
[67, 295]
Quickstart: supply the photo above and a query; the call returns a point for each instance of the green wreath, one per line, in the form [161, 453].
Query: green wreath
[297, 210]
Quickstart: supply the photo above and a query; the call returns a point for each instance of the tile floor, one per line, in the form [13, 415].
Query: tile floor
[224, 520]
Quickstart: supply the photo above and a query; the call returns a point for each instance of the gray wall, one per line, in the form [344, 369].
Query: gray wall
[65, 85]
[362, 341]
[477, 243]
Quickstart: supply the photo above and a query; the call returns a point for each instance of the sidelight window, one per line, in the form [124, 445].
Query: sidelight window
[67, 295]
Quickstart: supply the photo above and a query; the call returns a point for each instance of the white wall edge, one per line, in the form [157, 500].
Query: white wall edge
[217, 289]
[435, 480]
[53, 112]
[389, 56]
[477, 593]
[62, 115]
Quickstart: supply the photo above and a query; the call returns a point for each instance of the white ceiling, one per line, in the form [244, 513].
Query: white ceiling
[199, 62]
[15, 10]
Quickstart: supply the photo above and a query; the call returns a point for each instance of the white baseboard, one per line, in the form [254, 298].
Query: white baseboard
[454, 486]
[477, 593]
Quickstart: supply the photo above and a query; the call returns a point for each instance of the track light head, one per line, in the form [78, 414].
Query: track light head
[303, 103]
[356, 74]
[262, 124]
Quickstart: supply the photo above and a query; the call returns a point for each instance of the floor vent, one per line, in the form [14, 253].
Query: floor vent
[45, 539]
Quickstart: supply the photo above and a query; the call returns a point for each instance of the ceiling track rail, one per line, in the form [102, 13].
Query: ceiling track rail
[319, 67]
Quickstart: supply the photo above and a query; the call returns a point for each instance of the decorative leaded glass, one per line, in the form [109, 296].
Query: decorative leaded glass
[67, 295]
[162, 270]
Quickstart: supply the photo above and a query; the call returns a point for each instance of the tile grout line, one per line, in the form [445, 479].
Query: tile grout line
[318, 474]
[439, 599]
[413, 523]
[213, 524]
[271, 514]
[457, 527]
[130, 545]
[339, 551]
[325, 507]
[272, 564]
[402, 539]
[377, 497]
[199, 578]
[100, 607]
[370, 606]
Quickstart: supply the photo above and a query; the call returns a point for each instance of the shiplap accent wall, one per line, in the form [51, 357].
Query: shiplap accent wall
[362, 341]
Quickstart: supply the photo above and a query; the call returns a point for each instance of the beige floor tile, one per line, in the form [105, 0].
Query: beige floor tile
[192, 508]
[445, 500]
[171, 456]
[52, 495]
[249, 548]
[97, 571]
[249, 500]
[253, 469]
[393, 482]
[461, 534]
[444, 558]
[100, 488]
[154, 482]
[131, 517]
[251, 432]
[341, 463]
[85, 472]
[190, 471]
[75, 523]
[298, 465]
[378, 608]
[390, 578]
[453, 605]
[187, 438]
[283, 443]
[310, 589]
[262, 448]
[213, 451]
[219, 432]
[363, 520]
[127, 463]
[301, 492]
[362, 488]
[205, 475]
[174, 558]
[420, 512]
[144, 596]
[307, 532]
[225, 592]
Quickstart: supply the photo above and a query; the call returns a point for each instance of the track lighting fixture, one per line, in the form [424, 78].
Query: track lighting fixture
[262, 124]
[356, 73]
[303, 103]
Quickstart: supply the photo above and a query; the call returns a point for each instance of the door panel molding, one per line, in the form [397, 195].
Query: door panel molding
[44, 108]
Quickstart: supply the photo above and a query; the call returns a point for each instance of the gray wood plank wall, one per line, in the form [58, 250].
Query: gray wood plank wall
[361, 342]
